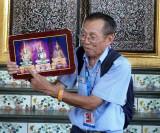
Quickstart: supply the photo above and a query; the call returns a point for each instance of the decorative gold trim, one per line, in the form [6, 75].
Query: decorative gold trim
[4, 30]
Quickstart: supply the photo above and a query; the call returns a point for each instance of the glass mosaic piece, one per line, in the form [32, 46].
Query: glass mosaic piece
[48, 128]
[48, 103]
[151, 129]
[147, 82]
[52, 79]
[133, 129]
[8, 127]
[6, 79]
[136, 104]
[16, 102]
[148, 105]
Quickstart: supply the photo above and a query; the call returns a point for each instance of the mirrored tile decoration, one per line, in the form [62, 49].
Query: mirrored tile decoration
[48, 103]
[16, 102]
[6, 79]
[48, 128]
[136, 104]
[8, 127]
[51, 79]
[135, 22]
[149, 105]
[147, 82]
[133, 77]
[133, 129]
[43, 15]
[151, 129]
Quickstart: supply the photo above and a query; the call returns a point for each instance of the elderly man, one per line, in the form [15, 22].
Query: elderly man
[98, 103]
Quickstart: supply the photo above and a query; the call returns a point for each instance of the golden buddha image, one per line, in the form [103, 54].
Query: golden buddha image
[26, 59]
[58, 58]
[42, 62]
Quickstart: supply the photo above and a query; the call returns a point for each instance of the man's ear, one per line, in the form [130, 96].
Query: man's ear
[110, 38]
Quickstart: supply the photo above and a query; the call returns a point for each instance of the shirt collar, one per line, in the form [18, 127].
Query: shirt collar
[104, 54]
[101, 58]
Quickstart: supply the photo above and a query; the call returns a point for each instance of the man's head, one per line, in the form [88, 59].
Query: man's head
[97, 33]
[109, 23]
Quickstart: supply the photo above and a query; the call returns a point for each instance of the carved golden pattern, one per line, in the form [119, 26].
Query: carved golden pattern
[4, 30]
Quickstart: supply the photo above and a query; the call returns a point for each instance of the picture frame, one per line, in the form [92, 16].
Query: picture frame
[48, 53]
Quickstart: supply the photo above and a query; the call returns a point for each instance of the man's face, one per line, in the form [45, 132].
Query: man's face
[93, 39]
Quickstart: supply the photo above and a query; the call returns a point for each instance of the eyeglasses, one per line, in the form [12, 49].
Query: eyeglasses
[92, 39]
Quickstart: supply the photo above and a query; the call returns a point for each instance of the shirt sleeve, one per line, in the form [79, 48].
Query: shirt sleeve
[113, 86]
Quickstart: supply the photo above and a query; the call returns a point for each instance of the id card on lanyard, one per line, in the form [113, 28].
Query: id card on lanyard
[89, 119]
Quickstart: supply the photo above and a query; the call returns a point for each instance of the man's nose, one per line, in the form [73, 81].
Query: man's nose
[86, 40]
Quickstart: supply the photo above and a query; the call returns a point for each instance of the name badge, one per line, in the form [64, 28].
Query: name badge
[89, 119]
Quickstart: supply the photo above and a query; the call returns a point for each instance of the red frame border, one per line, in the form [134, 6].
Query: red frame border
[69, 70]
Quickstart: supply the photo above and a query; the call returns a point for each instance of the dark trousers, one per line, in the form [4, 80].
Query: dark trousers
[76, 129]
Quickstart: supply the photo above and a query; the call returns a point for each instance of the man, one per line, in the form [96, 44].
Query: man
[98, 103]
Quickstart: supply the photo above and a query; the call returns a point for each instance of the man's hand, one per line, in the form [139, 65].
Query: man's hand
[40, 83]
[12, 67]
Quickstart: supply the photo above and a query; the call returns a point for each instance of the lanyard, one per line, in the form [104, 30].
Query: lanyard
[88, 80]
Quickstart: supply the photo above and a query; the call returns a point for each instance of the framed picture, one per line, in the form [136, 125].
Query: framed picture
[49, 53]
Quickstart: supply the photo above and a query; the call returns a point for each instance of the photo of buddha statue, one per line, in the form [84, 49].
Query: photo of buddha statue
[42, 61]
[58, 58]
[26, 59]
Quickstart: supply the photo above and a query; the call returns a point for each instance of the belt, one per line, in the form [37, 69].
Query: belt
[76, 129]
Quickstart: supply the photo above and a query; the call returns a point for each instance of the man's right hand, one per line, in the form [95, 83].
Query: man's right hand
[12, 67]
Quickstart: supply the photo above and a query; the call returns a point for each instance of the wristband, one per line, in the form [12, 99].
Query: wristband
[60, 94]
[52, 94]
